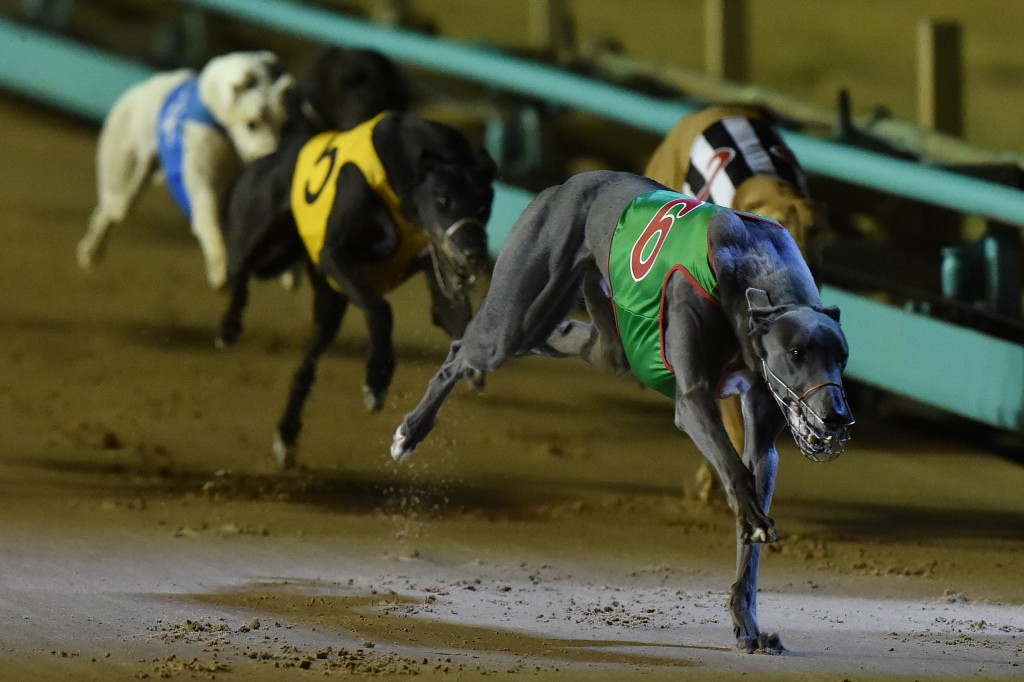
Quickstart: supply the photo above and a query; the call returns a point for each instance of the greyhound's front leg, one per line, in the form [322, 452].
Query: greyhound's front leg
[210, 168]
[697, 415]
[207, 229]
[328, 311]
[763, 422]
[380, 359]
[231, 322]
[698, 342]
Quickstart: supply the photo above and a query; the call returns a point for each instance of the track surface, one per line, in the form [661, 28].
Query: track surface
[543, 530]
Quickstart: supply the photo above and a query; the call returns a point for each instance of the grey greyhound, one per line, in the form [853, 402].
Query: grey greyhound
[739, 315]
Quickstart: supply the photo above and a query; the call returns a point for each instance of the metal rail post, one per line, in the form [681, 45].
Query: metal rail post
[725, 39]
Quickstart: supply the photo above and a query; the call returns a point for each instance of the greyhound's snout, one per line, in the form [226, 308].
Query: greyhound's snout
[835, 412]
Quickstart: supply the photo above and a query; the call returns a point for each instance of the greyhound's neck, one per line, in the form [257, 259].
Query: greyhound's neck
[762, 257]
[387, 140]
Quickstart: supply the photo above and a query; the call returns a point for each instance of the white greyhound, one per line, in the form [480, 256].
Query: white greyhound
[198, 129]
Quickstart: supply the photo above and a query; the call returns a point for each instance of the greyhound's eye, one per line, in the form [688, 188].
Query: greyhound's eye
[251, 125]
[799, 355]
[443, 202]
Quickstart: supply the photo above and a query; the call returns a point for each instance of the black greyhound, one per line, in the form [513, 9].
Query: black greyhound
[366, 209]
[698, 301]
[340, 88]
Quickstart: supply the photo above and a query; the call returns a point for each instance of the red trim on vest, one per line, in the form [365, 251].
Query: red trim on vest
[611, 291]
[661, 309]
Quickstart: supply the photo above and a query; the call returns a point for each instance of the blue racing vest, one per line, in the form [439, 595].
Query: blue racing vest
[181, 106]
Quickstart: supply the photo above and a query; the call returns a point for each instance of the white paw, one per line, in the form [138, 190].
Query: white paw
[398, 449]
[759, 535]
[288, 280]
[284, 455]
[218, 278]
[85, 255]
[371, 400]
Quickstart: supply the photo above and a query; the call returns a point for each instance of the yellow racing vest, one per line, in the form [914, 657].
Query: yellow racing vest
[314, 189]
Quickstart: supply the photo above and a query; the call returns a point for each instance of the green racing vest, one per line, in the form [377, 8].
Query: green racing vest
[659, 233]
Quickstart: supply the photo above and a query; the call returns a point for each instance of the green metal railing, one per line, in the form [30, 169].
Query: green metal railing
[940, 364]
[491, 67]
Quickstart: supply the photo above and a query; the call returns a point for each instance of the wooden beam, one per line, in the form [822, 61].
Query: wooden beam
[940, 89]
[549, 27]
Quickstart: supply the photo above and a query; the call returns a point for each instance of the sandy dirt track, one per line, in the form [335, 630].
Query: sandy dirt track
[544, 531]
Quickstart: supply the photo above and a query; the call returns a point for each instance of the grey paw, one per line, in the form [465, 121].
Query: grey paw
[478, 379]
[757, 528]
[761, 644]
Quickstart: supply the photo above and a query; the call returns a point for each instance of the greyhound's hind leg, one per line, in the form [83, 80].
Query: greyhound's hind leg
[231, 322]
[418, 423]
[328, 311]
[263, 241]
[122, 177]
[510, 321]
[505, 326]
[532, 289]
[597, 341]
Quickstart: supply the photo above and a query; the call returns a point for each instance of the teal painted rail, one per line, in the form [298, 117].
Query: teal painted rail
[822, 157]
[73, 76]
[940, 364]
[934, 362]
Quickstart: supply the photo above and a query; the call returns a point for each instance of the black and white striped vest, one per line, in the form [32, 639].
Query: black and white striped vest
[733, 150]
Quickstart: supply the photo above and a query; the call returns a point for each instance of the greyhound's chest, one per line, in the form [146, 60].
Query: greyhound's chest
[183, 105]
[658, 234]
[387, 257]
[733, 150]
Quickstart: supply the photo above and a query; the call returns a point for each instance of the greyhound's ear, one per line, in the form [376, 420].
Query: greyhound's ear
[248, 82]
[485, 165]
[758, 302]
[832, 311]
[284, 85]
[275, 69]
[760, 309]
